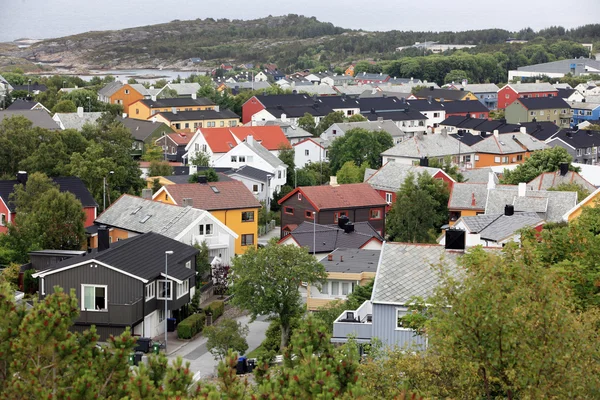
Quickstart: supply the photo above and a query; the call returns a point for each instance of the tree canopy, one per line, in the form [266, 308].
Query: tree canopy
[547, 160]
[360, 146]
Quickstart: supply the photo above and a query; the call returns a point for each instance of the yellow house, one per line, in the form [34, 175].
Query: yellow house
[590, 201]
[190, 121]
[145, 108]
[231, 202]
[346, 269]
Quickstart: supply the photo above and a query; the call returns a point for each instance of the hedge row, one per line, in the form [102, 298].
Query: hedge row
[191, 326]
[216, 308]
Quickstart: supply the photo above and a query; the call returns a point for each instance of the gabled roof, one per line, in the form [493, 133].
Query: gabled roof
[508, 143]
[110, 88]
[327, 197]
[32, 87]
[39, 118]
[551, 204]
[221, 140]
[543, 103]
[406, 271]
[479, 175]
[141, 257]
[582, 105]
[184, 89]
[408, 115]
[542, 130]
[140, 129]
[464, 106]
[468, 196]
[20, 104]
[251, 173]
[392, 175]
[317, 110]
[446, 94]
[548, 180]
[139, 215]
[177, 102]
[263, 153]
[213, 195]
[386, 125]
[435, 145]
[531, 87]
[425, 105]
[76, 121]
[497, 227]
[198, 115]
[578, 139]
[351, 261]
[481, 88]
[330, 237]
[180, 138]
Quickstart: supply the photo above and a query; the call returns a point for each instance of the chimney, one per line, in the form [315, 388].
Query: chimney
[523, 129]
[147, 194]
[424, 162]
[188, 202]
[194, 96]
[522, 189]
[80, 112]
[333, 181]
[103, 238]
[202, 179]
[509, 210]
[174, 110]
[341, 258]
[329, 257]
[342, 221]
[217, 108]
[491, 181]
[455, 239]
[153, 97]
[22, 177]
[441, 99]
[429, 99]
[496, 132]
[564, 169]
[283, 117]
[250, 140]
[431, 88]
[348, 228]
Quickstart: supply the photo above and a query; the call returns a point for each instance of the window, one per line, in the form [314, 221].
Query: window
[248, 216]
[150, 291]
[2, 219]
[436, 115]
[187, 125]
[505, 160]
[200, 229]
[161, 315]
[375, 213]
[204, 149]
[126, 91]
[555, 112]
[345, 288]
[242, 158]
[532, 113]
[388, 198]
[255, 188]
[164, 290]
[497, 160]
[183, 288]
[579, 152]
[262, 187]
[288, 210]
[334, 131]
[400, 313]
[208, 228]
[248, 240]
[588, 150]
[325, 288]
[541, 112]
[197, 147]
[94, 298]
[137, 111]
[309, 214]
[335, 288]
[299, 196]
[520, 157]
[233, 158]
[338, 214]
[188, 264]
[195, 125]
[279, 174]
[507, 96]
[222, 123]
[306, 152]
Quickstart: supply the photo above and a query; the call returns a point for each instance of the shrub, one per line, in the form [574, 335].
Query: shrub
[216, 308]
[191, 326]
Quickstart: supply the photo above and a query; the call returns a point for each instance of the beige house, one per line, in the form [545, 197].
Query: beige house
[538, 109]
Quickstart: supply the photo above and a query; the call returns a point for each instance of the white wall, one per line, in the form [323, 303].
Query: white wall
[315, 153]
[432, 119]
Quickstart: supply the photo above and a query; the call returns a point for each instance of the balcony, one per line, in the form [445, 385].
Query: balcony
[356, 323]
[215, 241]
[116, 314]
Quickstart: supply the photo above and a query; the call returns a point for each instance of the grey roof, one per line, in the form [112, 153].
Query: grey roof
[291, 131]
[265, 154]
[392, 175]
[320, 89]
[405, 271]
[142, 256]
[479, 175]
[583, 105]
[20, 104]
[532, 87]
[468, 196]
[141, 129]
[352, 261]
[128, 212]
[251, 173]
[74, 121]
[110, 88]
[508, 143]
[261, 85]
[435, 145]
[549, 180]
[39, 118]
[551, 205]
[388, 126]
[354, 89]
[330, 237]
[199, 115]
[142, 89]
[497, 227]
[184, 89]
[561, 66]
[481, 88]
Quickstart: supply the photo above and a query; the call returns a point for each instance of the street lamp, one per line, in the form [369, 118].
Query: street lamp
[167, 254]
[104, 192]
[64, 83]
[314, 233]
[89, 103]
[28, 84]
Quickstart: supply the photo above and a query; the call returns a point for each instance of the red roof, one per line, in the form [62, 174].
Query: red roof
[181, 138]
[225, 195]
[221, 140]
[353, 195]
[146, 164]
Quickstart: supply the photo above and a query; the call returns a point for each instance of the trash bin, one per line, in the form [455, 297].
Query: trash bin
[138, 357]
[171, 322]
[251, 364]
[156, 347]
[143, 344]
[242, 365]
[131, 359]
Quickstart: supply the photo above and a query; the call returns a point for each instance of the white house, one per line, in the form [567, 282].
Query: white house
[309, 151]
[339, 129]
[256, 180]
[261, 77]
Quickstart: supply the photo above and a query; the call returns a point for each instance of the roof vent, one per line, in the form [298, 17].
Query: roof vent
[136, 210]
[215, 189]
[146, 218]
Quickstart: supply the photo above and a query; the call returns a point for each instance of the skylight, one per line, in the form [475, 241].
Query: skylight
[146, 218]
[136, 211]
[214, 189]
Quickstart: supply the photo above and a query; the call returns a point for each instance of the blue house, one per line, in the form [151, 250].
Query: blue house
[487, 93]
[582, 111]
[405, 271]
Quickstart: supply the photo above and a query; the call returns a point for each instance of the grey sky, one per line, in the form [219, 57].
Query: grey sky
[54, 18]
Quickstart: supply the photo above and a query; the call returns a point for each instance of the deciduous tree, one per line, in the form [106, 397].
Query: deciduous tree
[225, 336]
[547, 160]
[360, 146]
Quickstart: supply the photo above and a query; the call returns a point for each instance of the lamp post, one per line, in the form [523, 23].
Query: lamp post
[28, 84]
[3, 101]
[167, 254]
[104, 192]
[89, 103]
[314, 233]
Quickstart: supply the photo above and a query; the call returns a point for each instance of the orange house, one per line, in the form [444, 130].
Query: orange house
[350, 70]
[145, 108]
[122, 93]
[505, 148]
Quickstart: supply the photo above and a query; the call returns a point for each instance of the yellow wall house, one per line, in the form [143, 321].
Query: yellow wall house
[346, 269]
[591, 201]
[190, 121]
[145, 108]
[231, 202]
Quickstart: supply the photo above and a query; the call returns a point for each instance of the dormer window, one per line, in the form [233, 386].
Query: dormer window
[299, 196]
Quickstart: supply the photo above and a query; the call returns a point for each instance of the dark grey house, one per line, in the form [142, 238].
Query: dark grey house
[582, 145]
[126, 283]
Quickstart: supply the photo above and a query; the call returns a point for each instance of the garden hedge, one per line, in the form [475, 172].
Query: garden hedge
[191, 326]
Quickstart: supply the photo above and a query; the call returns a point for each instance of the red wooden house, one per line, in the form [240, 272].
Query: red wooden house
[509, 93]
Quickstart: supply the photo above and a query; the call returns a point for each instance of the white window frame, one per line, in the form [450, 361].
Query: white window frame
[83, 286]
[150, 291]
[388, 198]
[159, 283]
[3, 219]
[183, 288]
[400, 312]
[161, 312]
[188, 264]
[208, 230]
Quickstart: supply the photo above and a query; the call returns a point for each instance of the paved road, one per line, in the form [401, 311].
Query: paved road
[275, 233]
[202, 361]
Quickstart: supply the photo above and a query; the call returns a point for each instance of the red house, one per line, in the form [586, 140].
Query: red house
[388, 179]
[511, 92]
[464, 108]
[66, 184]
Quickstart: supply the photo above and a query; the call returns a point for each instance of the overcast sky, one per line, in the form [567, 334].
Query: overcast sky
[55, 18]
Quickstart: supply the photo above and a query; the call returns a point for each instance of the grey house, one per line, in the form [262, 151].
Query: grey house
[582, 145]
[404, 271]
[124, 284]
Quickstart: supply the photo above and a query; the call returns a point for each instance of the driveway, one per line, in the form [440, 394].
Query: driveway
[275, 233]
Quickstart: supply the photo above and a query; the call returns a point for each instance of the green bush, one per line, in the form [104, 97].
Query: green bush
[216, 308]
[191, 326]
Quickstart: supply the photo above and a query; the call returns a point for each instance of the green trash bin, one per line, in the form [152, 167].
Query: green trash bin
[132, 359]
[156, 347]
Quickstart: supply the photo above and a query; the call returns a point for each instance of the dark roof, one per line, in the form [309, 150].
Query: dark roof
[314, 109]
[20, 104]
[141, 130]
[471, 123]
[469, 139]
[425, 105]
[352, 261]
[542, 103]
[454, 120]
[580, 138]
[33, 87]
[184, 178]
[285, 100]
[39, 118]
[250, 172]
[330, 237]
[177, 102]
[446, 94]
[198, 115]
[564, 93]
[410, 115]
[464, 106]
[69, 184]
[542, 130]
[142, 256]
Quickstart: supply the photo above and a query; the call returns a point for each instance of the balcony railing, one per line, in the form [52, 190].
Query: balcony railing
[117, 314]
[357, 323]
[214, 241]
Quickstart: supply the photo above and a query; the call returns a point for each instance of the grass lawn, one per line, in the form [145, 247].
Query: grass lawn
[254, 353]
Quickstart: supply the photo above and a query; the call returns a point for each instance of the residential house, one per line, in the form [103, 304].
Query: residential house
[183, 89]
[339, 129]
[486, 93]
[337, 80]
[368, 78]
[388, 179]
[584, 111]
[346, 269]
[589, 201]
[237, 87]
[143, 133]
[433, 110]
[145, 167]
[291, 131]
[445, 94]
[125, 285]
[582, 145]
[350, 70]
[318, 89]
[33, 88]
[475, 126]
[468, 199]
[230, 202]
[5, 87]
[321, 240]
[38, 118]
[77, 119]
[183, 174]
[570, 95]
[479, 175]
[131, 216]
[326, 204]
[192, 120]
[20, 104]
[123, 93]
[311, 150]
[552, 109]
[588, 89]
[472, 108]
[511, 92]
[145, 108]
[250, 152]
[552, 180]
[405, 271]
[69, 184]
[256, 180]
[557, 69]
[505, 148]
[174, 145]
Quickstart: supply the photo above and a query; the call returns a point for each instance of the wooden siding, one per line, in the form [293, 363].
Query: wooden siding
[384, 328]
[103, 331]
